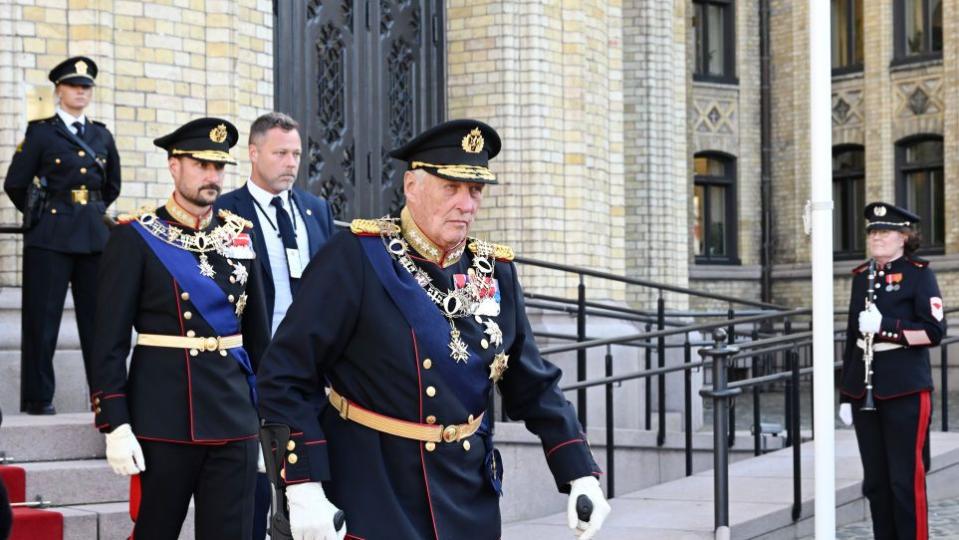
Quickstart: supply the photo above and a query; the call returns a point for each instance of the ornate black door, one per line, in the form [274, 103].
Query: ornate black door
[361, 77]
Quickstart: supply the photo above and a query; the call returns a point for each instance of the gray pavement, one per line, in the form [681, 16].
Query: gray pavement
[943, 523]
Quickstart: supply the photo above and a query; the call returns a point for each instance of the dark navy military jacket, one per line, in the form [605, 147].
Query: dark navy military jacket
[344, 329]
[907, 295]
[170, 394]
[50, 151]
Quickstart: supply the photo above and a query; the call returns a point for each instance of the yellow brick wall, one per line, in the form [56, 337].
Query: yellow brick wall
[162, 63]
[548, 76]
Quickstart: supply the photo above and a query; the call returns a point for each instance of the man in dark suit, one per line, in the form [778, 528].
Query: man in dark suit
[292, 224]
[75, 161]
[287, 239]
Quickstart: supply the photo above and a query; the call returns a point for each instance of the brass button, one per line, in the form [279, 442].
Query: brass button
[430, 446]
[283, 474]
[190, 333]
[291, 446]
[83, 170]
[231, 298]
[57, 161]
[53, 210]
[187, 315]
[185, 295]
[431, 419]
[470, 419]
[484, 344]
[232, 279]
[98, 411]
[96, 401]
[466, 446]
[292, 459]
[430, 391]
[223, 352]
[427, 363]
[194, 352]
[81, 153]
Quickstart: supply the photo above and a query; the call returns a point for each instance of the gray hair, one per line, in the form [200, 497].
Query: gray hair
[269, 121]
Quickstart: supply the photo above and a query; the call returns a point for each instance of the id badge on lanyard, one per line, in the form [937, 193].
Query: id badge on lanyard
[293, 263]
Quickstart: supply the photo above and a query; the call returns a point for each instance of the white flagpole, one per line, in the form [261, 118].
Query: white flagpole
[821, 207]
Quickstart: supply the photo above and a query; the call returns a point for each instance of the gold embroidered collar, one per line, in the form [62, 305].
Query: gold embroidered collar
[424, 246]
[186, 218]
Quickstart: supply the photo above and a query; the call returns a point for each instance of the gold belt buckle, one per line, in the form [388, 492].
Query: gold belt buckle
[211, 343]
[80, 196]
[450, 433]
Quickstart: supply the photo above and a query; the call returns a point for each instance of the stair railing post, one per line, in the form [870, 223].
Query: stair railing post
[581, 353]
[721, 394]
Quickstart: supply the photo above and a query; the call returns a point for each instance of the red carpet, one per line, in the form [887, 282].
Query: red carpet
[29, 523]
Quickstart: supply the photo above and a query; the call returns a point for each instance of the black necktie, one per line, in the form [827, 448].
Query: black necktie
[79, 126]
[286, 234]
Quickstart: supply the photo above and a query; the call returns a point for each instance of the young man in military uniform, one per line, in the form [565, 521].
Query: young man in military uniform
[183, 421]
[411, 323]
[75, 162]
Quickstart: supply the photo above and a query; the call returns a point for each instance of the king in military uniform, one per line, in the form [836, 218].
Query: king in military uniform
[411, 323]
[183, 420]
[63, 176]
[895, 314]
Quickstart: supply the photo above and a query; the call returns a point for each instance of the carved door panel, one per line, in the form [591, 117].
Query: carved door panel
[361, 77]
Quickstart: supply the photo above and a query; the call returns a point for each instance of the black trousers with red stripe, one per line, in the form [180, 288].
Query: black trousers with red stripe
[894, 447]
[220, 479]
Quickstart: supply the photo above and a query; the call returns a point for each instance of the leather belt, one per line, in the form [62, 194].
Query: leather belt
[882, 346]
[184, 342]
[402, 428]
[80, 196]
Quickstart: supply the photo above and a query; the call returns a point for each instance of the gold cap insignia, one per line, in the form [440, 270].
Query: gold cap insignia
[473, 141]
[81, 67]
[879, 211]
[218, 134]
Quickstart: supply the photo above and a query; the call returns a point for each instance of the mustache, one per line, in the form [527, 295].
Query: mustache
[214, 187]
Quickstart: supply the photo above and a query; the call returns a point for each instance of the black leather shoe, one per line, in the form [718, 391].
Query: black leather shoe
[40, 408]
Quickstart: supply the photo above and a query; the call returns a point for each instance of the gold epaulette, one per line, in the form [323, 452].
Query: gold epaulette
[500, 252]
[368, 227]
[227, 215]
[130, 217]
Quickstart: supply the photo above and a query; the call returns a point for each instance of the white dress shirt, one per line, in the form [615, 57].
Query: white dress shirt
[268, 229]
[69, 119]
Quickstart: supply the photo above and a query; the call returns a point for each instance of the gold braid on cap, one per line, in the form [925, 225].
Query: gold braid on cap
[457, 171]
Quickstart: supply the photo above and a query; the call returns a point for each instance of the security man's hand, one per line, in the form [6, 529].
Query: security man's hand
[588, 486]
[311, 513]
[845, 414]
[870, 320]
[123, 451]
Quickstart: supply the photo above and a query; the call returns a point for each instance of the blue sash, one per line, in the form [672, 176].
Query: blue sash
[208, 298]
[431, 327]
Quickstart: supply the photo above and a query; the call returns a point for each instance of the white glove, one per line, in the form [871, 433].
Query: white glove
[870, 320]
[845, 414]
[589, 486]
[123, 452]
[260, 464]
[311, 513]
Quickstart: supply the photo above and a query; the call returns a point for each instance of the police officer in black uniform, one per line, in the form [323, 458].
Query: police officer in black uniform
[412, 323]
[183, 419]
[896, 313]
[75, 161]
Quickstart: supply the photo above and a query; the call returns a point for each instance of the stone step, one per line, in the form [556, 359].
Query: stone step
[106, 521]
[71, 394]
[71, 436]
[10, 326]
[71, 482]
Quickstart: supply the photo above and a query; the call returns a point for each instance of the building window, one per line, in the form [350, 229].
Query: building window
[848, 195]
[918, 27]
[714, 207]
[715, 26]
[847, 50]
[920, 189]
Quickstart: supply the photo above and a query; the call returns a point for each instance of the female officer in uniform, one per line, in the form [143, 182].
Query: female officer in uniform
[75, 161]
[896, 303]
